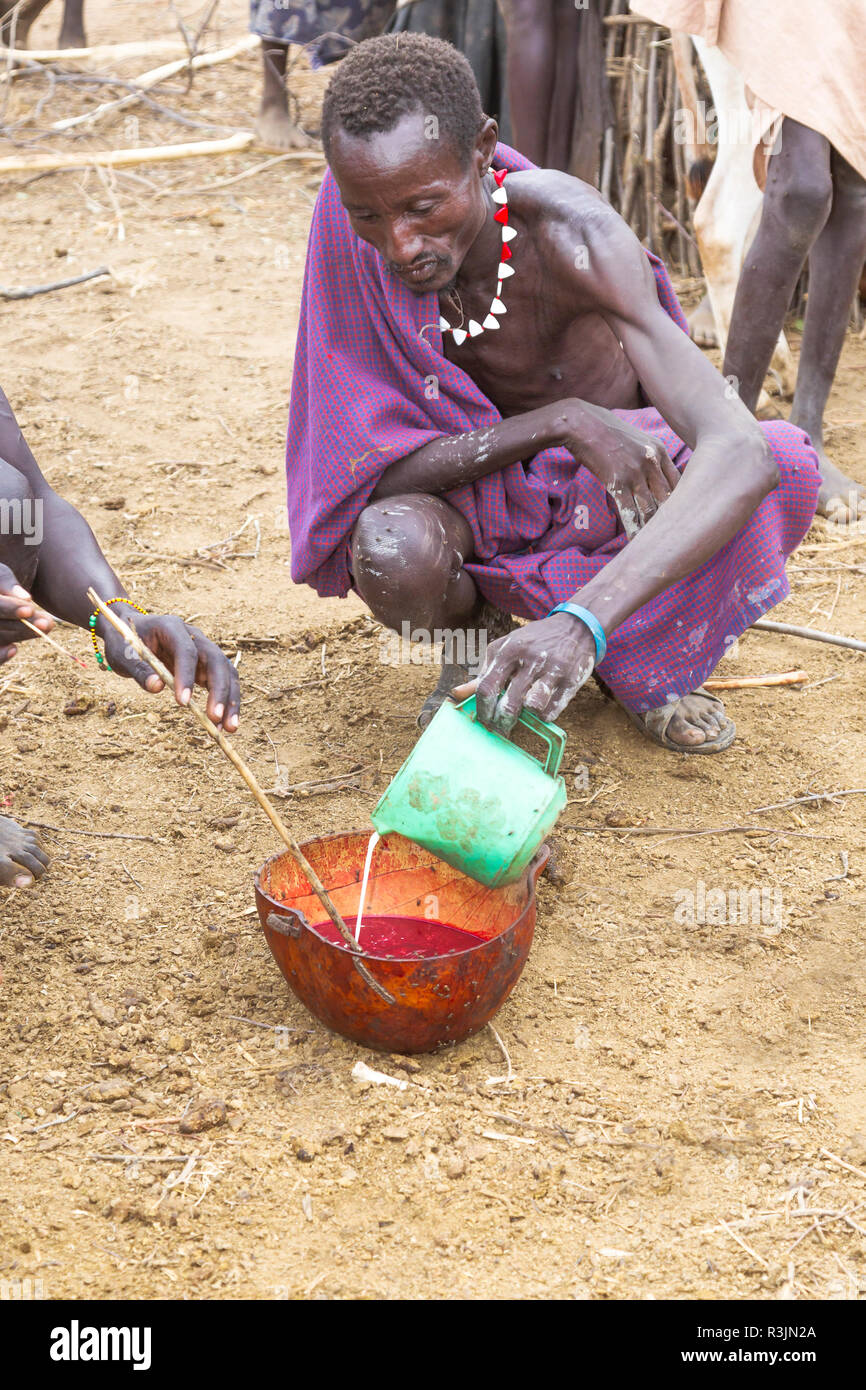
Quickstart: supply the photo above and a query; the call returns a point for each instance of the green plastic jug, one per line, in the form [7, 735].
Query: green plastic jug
[474, 798]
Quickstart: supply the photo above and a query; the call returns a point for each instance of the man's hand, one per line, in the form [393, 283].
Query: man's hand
[634, 468]
[15, 603]
[189, 655]
[539, 667]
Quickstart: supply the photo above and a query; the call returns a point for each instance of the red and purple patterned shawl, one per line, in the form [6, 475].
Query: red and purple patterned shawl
[368, 389]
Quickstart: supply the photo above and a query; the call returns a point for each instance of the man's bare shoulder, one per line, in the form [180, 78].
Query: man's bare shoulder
[583, 240]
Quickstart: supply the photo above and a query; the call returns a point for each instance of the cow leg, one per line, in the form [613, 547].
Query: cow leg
[560, 123]
[530, 73]
[835, 263]
[72, 31]
[797, 203]
[18, 27]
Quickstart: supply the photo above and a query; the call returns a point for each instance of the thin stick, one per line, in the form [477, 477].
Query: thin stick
[140, 1158]
[145, 154]
[157, 75]
[817, 796]
[752, 682]
[748, 1249]
[51, 642]
[93, 834]
[497, 1080]
[31, 291]
[674, 830]
[321, 892]
[245, 174]
[859, 1172]
[813, 633]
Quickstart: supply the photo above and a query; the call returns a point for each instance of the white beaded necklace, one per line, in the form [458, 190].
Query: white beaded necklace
[473, 328]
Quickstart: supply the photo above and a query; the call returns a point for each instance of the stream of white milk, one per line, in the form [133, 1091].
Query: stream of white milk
[374, 840]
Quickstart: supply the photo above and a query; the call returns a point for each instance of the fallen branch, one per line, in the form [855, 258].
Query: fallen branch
[752, 682]
[245, 173]
[161, 74]
[814, 634]
[113, 52]
[32, 290]
[145, 154]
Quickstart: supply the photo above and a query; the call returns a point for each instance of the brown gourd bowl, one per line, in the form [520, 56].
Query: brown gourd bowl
[437, 1000]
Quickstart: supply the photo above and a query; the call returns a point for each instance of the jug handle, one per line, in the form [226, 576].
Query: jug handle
[552, 735]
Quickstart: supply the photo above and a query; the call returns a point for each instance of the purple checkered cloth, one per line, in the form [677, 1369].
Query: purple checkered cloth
[369, 388]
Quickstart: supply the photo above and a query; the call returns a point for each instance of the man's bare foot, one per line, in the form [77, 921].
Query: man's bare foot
[451, 676]
[840, 499]
[702, 325]
[695, 724]
[276, 130]
[22, 858]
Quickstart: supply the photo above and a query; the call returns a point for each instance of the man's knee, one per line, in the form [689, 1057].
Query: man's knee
[796, 460]
[405, 552]
[397, 536]
[20, 524]
[20, 511]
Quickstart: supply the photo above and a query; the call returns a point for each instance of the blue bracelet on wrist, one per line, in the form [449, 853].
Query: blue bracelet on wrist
[591, 621]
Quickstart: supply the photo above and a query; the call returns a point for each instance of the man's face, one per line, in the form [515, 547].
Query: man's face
[412, 198]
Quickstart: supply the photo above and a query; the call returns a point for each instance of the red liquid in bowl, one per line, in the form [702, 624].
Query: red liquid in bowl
[406, 938]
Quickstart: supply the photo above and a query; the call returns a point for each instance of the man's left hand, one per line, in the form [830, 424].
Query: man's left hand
[189, 655]
[540, 667]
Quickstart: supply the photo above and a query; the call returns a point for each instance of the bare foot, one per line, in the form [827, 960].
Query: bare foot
[452, 677]
[702, 325]
[22, 858]
[840, 499]
[695, 724]
[276, 130]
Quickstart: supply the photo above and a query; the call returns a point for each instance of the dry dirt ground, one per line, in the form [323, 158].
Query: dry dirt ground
[687, 1115]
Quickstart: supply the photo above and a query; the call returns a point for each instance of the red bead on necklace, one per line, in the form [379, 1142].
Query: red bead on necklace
[497, 308]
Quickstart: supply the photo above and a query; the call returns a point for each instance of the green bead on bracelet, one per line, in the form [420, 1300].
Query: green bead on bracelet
[93, 619]
[91, 623]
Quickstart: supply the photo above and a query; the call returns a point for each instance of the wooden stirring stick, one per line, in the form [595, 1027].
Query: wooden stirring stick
[51, 642]
[132, 637]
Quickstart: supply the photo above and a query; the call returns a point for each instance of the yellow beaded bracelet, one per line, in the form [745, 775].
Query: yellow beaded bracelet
[92, 621]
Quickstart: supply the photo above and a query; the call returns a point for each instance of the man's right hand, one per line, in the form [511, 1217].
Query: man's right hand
[15, 603]
[635, 470]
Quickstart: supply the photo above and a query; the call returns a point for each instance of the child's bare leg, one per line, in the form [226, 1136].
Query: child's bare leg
[21, 857]
[72, 33]
[274, 126]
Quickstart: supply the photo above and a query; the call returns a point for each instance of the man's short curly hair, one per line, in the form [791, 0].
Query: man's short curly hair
[385, 78]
